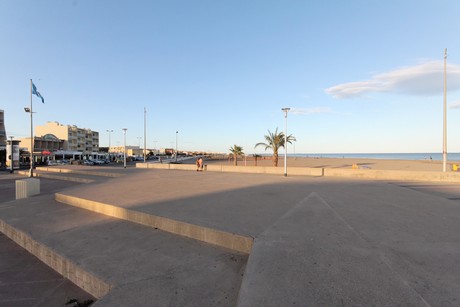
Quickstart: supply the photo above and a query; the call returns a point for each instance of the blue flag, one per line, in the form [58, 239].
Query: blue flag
[37, 93]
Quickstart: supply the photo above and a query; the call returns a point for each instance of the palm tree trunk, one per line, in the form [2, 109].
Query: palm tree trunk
[235, 160]
[275, 159]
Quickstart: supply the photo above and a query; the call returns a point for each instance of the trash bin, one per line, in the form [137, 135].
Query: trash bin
[455, 167]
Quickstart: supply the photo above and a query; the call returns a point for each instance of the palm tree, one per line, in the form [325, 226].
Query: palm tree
[275, 141]
[236, 151]
[256, 156]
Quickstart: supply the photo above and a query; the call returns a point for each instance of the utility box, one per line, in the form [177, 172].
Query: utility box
[27, 187]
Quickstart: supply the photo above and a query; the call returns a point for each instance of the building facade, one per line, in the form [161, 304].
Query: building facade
[2, 130]
[74, 138]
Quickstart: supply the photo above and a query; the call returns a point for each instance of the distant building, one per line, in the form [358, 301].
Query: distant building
[74, 138]
[130, 150]
[2, 130]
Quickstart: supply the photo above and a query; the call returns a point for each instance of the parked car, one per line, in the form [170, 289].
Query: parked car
[53, 162]
[88, 162]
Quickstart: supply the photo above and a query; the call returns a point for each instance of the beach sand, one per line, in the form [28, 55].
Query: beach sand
[346, 163]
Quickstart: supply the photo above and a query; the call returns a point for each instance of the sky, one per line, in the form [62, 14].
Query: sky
[360, 76]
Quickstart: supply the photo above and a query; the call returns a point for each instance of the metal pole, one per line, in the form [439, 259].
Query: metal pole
[31, 172]
[176, 144]
[11, 160]
[145, 133]
[444, 143]
[285, 110]
[108, 151]
[124, 147]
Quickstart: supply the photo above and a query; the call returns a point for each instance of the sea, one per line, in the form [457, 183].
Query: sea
[455, 156]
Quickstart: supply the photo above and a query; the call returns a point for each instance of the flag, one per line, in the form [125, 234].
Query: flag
[37, 93]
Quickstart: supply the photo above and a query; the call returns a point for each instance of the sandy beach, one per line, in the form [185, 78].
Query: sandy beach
[346, 163]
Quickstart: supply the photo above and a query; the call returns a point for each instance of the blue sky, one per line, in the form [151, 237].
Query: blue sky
[359, 76]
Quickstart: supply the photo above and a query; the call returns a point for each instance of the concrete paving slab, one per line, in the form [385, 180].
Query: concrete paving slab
[311, 257]
[26, 281]
[373, 242]
[122, 253]
[228, 202]
[388, 242]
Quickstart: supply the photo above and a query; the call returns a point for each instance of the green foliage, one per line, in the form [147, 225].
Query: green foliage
[274, 141]
[236, 151]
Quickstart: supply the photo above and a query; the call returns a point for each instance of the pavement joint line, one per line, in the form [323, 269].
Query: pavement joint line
[208, 235]
[83, 279]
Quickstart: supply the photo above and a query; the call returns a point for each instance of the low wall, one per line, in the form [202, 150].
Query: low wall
[326, 172]
[393, 175]
[300, 171]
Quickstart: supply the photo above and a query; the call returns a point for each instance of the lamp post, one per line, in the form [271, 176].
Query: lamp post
[124, 147]
[31, 158]
[145, 134]
[285, 110]
[177, 132]
[108, 151]
[444, 140]
[11, 156]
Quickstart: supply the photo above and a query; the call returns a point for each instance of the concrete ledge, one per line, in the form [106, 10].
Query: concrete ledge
[220, 238]
[393, 175]
[27, 187]
[76, 171]
[326, 172]
[60, 264]
[59, 177]
[298, 171]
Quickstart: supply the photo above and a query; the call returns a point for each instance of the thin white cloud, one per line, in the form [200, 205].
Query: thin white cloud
[424, 79]
[455, 105]
[303, 111]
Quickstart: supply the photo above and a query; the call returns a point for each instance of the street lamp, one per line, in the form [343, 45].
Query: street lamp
[11, 156]
[176, 144]
[124, 147]
[145, 134]
[108, 151]
[285, 110]
[444, 139]
[29, 110]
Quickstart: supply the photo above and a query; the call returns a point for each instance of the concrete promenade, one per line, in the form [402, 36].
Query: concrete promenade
[171, 237]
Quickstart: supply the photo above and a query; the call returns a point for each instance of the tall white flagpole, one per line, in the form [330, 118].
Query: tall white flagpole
[444, 143]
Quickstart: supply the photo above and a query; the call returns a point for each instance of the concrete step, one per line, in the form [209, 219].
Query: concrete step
[123, 263]
[217, 237]
[81, 178]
